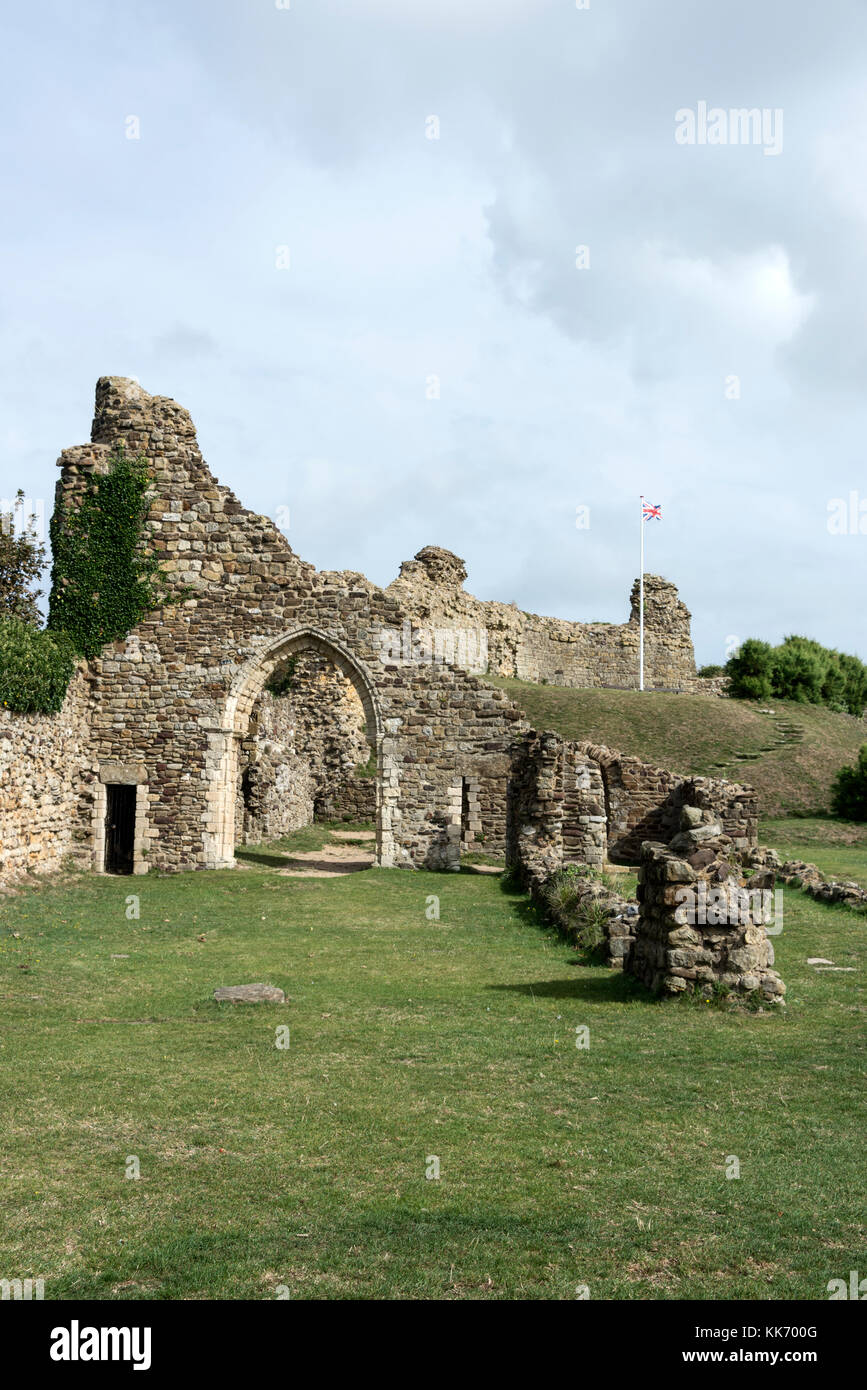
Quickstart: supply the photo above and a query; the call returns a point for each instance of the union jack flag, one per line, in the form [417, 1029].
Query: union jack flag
[651, 513]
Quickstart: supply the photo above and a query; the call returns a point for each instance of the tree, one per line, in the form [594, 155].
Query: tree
[22, 557]
[849, 795]
[750, 670]
[800, 669]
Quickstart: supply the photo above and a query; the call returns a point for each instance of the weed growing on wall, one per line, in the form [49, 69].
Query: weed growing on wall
[102, 584]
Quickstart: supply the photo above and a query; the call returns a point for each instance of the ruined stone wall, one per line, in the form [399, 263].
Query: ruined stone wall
[275, 788]
[643, 802]
[175, 698]
[534, 808]
[534, 648]
[46, 788]
[585, 830]
[331, 734]
[579, 802]
[698, 928]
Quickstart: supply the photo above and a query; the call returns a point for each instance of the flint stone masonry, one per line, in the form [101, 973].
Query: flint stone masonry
[674, 950]
[47, 779]
[534, 648]
[301, 758]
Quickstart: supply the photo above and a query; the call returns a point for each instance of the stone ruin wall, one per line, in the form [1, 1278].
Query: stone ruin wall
[46, 788]
[679, 943]
[178, 707]
[538, 649]
[579, 802]
[644, 802]
[172, 703]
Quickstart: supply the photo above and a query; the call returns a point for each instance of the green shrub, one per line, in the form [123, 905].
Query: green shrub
[750, 670]
[711, 670]
[849, 794]
[799, 669]
[35, 667]
[583, 919]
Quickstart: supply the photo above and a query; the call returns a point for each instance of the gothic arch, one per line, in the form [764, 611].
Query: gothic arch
[246, 687]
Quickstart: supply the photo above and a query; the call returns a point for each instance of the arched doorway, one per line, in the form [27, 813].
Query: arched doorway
[245, 690]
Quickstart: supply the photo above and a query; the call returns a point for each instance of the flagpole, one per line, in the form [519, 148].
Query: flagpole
[641, 604]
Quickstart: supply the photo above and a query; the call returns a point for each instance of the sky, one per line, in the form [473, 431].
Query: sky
[345, 234]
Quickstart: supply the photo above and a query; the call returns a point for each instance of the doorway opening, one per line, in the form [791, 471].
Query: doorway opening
[119, 828]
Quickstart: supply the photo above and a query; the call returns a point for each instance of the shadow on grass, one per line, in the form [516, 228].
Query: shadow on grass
[269, 858]
[615, 986]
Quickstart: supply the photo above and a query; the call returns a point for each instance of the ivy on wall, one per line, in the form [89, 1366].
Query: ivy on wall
[102, 583]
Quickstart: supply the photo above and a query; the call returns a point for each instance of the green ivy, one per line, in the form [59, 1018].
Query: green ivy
[102, 584]
[281, 681]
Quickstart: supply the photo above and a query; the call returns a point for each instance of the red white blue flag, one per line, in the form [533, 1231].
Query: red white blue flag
[651, 513]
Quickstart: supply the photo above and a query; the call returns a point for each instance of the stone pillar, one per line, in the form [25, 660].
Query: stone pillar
[702, 920]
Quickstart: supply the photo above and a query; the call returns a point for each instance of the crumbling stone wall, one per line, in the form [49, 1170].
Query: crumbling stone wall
[177, 708]
[534, 808]
[579, 802]
[46, 787]
[644, 802]
[698, 927]
[331, 734]
[534, 648]
[176, 697]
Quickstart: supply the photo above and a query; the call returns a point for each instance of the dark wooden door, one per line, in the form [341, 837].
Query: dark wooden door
[119, 828]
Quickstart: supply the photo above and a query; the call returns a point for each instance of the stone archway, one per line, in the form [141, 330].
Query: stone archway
[224, 740]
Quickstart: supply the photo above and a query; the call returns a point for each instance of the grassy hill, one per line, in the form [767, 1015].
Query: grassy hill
[790, 755]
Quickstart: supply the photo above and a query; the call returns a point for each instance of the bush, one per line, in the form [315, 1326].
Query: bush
[849, 794]
[799, 669]
[579, 914]
[711, 670]
[35, 667]
[750, 670]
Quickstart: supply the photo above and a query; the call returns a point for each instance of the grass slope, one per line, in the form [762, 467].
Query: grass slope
[305, 1167]
[702, 736]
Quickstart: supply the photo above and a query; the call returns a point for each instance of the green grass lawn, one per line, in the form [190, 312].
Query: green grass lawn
[305, 1167]
[701, 736]
[838, 848]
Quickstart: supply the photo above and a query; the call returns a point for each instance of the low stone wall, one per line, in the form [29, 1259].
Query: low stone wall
[680, 944]
[619, 917]
[579, 802]
[808, 877]
[47, 782]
